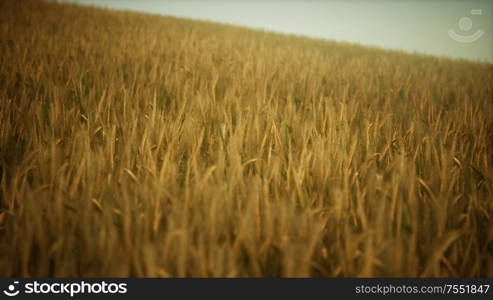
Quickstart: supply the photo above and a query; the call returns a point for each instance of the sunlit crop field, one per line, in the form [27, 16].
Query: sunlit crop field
[148, 146]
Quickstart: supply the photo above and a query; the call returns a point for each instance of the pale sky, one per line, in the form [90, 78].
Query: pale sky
[452, 28]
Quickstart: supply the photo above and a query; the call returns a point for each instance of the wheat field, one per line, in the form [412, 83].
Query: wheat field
[149, 146]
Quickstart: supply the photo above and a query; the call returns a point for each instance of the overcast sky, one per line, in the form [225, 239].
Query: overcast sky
[453, 28]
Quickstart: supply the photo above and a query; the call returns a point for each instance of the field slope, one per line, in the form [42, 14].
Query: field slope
[140, 145]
